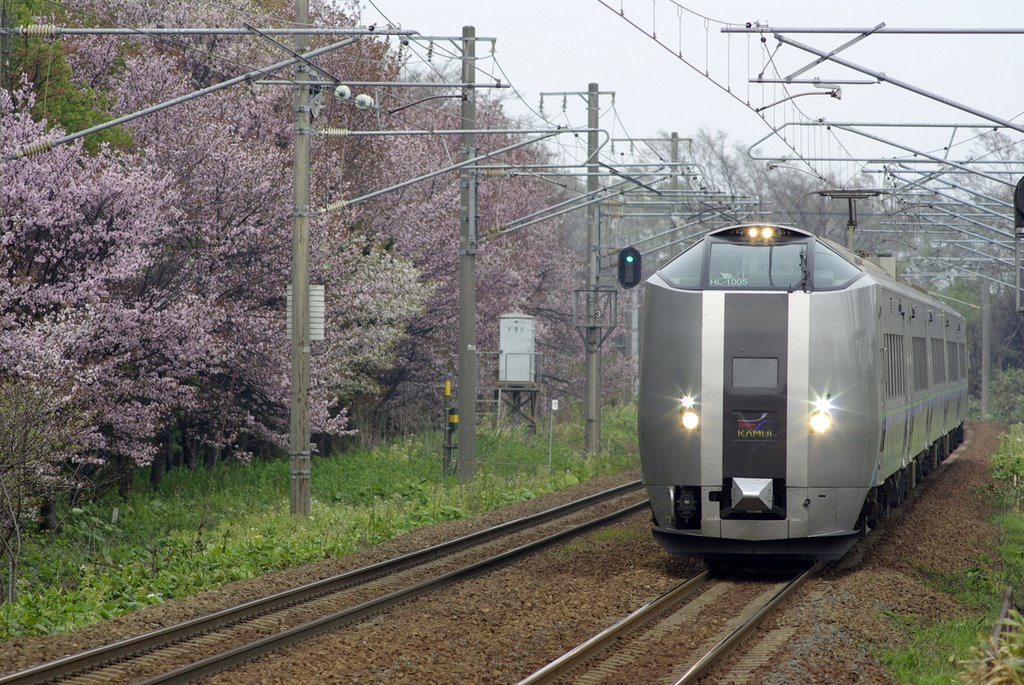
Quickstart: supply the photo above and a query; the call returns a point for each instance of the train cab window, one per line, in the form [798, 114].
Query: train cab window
[746, 265]
[738, 260]
[684, 271]
[831, 270]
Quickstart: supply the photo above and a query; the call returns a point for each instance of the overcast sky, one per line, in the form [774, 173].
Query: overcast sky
[562, 45]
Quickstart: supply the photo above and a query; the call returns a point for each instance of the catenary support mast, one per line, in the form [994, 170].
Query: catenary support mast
[467, 265]
[299, 447]
[592, 333]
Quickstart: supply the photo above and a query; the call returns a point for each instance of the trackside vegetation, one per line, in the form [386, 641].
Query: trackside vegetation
[963, 650]
[204, 528]
[1000, 659]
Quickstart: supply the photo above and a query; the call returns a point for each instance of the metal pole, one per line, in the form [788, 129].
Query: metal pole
[592, 338]
[880, 76]
[986, 343]
[299, 401]
[551, 431]
[851, 225]
[6, 40]
[467, 266]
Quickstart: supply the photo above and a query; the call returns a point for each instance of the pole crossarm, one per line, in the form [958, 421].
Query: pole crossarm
[344, 204]
[584, 200]
[831, 54]
[760, 79]
[628, 177]
[923, 157]
[52, 30]
[961, 201]
[281, 46]
[764, 28]
[385, 84]
[50, 143]
[899, 83]
[963, 231]
[344, 132]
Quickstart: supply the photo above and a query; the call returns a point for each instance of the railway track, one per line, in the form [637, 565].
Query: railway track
[217, 641]
[652, 644]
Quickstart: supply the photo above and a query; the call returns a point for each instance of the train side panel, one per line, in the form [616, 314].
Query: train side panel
[672, 327]
[840, 465]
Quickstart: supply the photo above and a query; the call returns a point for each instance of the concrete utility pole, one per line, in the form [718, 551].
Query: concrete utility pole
[299, 448]
[592, 335]
[467, 265]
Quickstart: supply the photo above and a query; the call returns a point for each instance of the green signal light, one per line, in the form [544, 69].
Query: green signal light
[630, 259]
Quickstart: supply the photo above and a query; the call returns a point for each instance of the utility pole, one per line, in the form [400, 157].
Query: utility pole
[5, 46]
[299, 448]
[592, 335]
[468, 248]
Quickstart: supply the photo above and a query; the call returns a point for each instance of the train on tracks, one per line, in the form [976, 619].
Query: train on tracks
[791, 393]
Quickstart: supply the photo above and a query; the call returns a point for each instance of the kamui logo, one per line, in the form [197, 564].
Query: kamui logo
[761, 427]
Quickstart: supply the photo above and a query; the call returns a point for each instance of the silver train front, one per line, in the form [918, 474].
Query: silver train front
[753, 478]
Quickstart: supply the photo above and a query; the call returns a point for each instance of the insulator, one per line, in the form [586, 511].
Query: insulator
[34, 148]
[39, 30]
[334, 207]
[338, 132]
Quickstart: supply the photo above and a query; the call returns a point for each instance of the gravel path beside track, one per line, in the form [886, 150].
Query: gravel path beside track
[501, 626]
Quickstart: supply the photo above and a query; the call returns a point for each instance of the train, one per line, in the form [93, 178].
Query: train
[791, 393]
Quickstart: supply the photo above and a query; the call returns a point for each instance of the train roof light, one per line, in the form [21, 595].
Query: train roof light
[760, 232]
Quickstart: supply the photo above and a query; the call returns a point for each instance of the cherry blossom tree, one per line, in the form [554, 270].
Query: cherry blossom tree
[150, 272]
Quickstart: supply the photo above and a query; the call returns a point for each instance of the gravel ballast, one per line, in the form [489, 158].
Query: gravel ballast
[499, 627]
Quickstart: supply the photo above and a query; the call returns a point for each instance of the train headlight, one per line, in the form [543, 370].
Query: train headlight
[689, 417]
[765, 232]
[821, 417]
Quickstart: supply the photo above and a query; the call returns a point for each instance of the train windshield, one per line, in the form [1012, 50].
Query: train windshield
[749, 260]
[763, 266]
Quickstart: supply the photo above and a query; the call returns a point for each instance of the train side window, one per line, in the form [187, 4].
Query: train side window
[938, 361]
[952, 361]
[685, 270]
[920, 352]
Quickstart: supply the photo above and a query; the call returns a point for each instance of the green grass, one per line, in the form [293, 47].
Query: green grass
[941, 652]
[206, 528]
[932, 654]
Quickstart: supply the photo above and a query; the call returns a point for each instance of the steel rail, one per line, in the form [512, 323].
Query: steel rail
[585, 650]
[104, 654]
[729, 642]
[238, 655]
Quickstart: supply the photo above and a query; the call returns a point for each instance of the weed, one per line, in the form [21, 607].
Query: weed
[102, 566]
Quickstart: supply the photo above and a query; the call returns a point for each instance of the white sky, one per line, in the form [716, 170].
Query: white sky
[562, 45]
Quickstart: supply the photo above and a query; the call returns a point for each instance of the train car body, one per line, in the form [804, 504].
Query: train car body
[791, 392]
